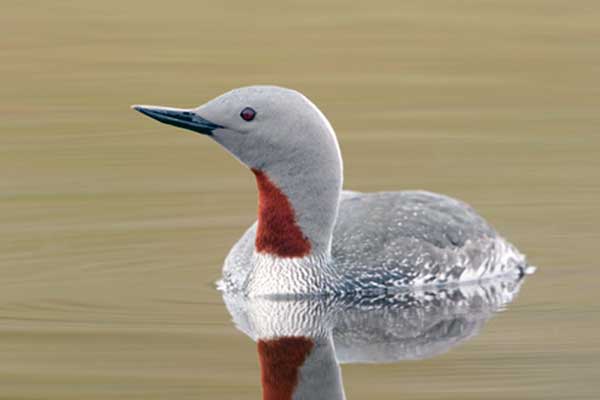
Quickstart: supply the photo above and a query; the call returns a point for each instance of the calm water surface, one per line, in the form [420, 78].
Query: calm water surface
[114, 228]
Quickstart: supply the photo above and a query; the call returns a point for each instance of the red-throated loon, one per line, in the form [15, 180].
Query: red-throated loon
[312, 237]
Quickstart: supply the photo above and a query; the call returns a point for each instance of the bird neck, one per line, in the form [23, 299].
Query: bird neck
[297, 212]
[278, 231]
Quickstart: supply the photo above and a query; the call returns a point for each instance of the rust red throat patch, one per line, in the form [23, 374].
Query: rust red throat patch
[278, 232]
[280, 361]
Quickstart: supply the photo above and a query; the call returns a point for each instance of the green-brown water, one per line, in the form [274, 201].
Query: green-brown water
[114, 228]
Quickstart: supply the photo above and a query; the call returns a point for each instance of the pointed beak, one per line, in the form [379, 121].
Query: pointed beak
[179, 117]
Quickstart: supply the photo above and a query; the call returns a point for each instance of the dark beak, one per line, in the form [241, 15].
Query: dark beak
[179, 117]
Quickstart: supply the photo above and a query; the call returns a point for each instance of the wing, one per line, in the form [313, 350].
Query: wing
[397, 239]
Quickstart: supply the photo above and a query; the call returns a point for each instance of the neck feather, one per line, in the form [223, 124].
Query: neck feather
[278, 231]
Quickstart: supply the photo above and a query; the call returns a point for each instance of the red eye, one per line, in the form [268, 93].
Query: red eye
[248, 114]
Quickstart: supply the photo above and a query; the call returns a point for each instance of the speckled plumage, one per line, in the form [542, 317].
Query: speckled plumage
[393, 240]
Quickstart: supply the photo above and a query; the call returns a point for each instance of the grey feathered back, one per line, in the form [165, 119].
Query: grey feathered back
[393, 240]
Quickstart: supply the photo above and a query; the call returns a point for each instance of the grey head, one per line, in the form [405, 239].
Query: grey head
[281, 133]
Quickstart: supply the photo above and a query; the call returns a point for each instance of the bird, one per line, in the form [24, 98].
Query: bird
[311, 236]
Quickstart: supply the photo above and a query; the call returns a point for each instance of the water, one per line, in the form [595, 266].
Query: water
[323, 333]
[114, 228]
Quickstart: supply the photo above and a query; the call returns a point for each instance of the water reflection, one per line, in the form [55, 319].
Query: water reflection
[303, 341]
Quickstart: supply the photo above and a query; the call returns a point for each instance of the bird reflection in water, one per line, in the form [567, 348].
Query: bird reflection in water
[302, 341]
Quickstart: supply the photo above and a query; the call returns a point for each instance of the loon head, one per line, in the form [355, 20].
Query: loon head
[292, 150]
